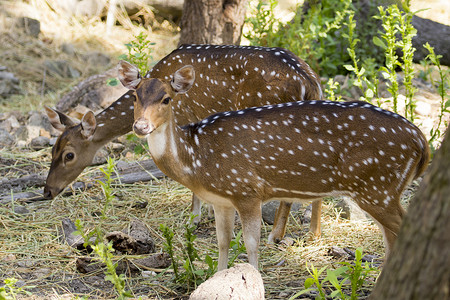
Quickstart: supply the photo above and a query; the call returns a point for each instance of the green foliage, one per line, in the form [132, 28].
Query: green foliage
[361, 78]
[407, 32]
[141, 145]
[10, 292]
[139, 52]
[443, 85]
[106, 185]
[192, 276]
[354, 274]
[105, 255]
[316, 36]
[105, 251]
[330, 90]
[237, 247]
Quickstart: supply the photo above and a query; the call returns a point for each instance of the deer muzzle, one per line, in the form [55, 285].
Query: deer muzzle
[142, 127]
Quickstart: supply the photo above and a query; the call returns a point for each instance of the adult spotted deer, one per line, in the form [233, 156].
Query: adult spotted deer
[229, 78]
[297, 151]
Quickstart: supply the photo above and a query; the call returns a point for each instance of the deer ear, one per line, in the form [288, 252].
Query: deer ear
[183, 79]
[59, 120]
[88, 125]
[128, 75]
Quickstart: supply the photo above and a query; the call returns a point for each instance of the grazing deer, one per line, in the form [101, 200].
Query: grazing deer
[230, 78]
[297, 151]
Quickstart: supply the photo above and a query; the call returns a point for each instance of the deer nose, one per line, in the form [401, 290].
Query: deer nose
[47, 193]
[142, 127]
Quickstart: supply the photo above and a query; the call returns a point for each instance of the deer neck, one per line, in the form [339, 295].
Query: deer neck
[172, 152]
[114, 121]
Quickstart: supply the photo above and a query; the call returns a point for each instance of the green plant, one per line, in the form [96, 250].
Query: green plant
[191, 276]
[106, 185]
[389, 19]
[314, 35]
[444, 103]
[10, 291]
[330, 88]
[139, 52]
[361, 79]
[355, 274]
[105, 255]
[237, 247]
[407, 32]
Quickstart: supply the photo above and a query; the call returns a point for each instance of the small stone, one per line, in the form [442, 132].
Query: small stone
[147, 274]
[40, 142]
[21, 210]
[422, 108]
[6, 139]
[350, 211]
[68, 49]
[32, 26]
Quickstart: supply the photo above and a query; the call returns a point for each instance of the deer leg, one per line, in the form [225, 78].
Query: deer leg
[196, 209]
[279, 225]
[389, 219]
[314, 227]
[224, 228]
[251, 228]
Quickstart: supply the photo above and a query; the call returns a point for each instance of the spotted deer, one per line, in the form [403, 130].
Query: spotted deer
[231, 78]
[295, 151]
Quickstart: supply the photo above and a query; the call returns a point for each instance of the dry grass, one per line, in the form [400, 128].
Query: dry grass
[32, 252]
[25, 56]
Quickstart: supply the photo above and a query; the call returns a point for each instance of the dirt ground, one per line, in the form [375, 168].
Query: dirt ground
[31, 250]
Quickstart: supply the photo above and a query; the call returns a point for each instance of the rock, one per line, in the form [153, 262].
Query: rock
[65, 234]
[242, 281]
[135, 239]
[21, 210]
[269, 210]
[68, 48]
[350, 211]
[338, 253]
[40, 120]
[61, 68]
[92, 93]
[10, 124]
[31, 26]
[422, 108]
[9, 84]
[97, 58]
[39, 143]
[100, 157]
[6, 139]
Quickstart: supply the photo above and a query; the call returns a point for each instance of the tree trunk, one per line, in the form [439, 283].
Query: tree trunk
[212, 21]
[419, 267]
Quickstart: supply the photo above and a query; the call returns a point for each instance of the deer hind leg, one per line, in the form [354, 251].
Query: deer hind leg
[224, 216]
[281, 218]
[279, 225]
[251, 228]
[389, 218]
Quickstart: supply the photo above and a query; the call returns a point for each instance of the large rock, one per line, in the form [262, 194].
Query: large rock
[242, 281]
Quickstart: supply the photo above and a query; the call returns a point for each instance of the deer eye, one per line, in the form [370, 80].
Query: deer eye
[166, 100]
[69, 156]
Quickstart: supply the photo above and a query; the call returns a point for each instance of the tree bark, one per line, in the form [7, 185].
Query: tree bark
[212, 21]
[419, 267]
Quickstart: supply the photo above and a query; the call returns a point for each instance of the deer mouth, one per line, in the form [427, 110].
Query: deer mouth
[142, 127]
[50, 193]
